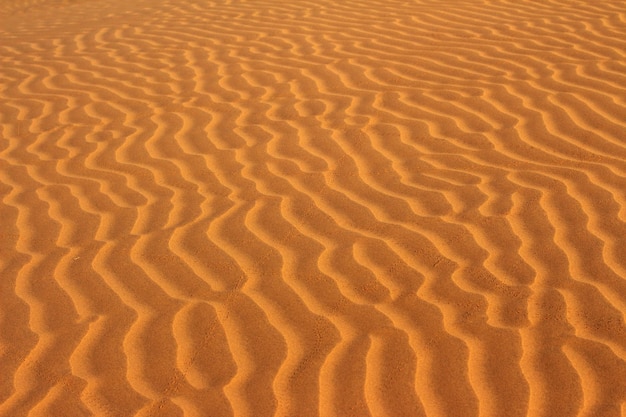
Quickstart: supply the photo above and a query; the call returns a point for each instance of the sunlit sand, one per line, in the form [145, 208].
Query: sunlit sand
[312, 208]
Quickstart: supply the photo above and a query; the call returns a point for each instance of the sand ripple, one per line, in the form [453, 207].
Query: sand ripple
[346, 208]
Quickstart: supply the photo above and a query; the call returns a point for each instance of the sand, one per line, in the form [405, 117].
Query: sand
[313, 208]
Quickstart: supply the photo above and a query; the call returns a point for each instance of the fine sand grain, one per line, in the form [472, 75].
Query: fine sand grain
[313, 208]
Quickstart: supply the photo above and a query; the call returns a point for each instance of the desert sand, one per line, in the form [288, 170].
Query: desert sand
[313, 208]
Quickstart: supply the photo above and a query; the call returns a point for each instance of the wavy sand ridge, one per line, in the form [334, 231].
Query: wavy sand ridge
[351, 208]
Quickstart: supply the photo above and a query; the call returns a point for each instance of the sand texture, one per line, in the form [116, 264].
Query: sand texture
[350, 208]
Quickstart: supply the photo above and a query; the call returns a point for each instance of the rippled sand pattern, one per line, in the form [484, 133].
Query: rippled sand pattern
[313, 208]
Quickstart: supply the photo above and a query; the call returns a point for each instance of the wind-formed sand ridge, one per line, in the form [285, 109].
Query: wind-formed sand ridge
[350, 208]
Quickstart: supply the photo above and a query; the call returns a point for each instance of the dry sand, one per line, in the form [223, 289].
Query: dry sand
[313, 208]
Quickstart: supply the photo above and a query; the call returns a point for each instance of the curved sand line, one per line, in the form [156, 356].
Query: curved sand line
[357, 208]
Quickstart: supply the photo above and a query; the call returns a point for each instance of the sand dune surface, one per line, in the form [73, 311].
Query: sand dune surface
[313, 208]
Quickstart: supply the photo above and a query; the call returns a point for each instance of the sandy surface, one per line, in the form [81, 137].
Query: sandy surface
[313, 208]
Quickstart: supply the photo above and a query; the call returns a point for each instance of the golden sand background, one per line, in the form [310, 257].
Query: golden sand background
[313, 208]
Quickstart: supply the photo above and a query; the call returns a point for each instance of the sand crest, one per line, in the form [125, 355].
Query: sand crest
[312, 208]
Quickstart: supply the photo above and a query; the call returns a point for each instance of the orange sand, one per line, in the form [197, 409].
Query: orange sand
[313, 208]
